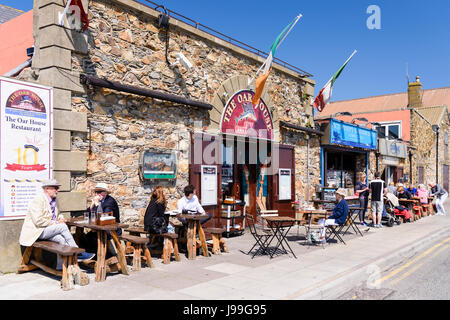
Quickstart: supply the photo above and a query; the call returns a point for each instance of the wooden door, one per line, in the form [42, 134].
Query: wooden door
[286, 161]
[206, 150]
[420, 173]
[445, 177]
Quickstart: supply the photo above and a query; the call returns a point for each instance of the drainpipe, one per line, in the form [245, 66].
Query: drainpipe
[307, 167]
[410, 167]
[436, 130]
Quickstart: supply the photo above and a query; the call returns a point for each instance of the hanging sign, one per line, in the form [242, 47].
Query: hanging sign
[240, 117]
[209, 185]
[25, 144]
[285, 182]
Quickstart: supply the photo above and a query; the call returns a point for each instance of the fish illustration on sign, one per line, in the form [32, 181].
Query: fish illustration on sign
[248, 114]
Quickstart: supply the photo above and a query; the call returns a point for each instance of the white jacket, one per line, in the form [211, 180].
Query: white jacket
[39, 216]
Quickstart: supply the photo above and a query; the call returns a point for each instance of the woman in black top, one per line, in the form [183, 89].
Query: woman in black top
[403, 193]
[155, 221]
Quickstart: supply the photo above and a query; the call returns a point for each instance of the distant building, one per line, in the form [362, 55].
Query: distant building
[16, 35]
[404, 122]
[8, 13]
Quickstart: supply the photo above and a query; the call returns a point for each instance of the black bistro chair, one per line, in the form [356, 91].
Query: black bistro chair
[261, 236]
[333, 231]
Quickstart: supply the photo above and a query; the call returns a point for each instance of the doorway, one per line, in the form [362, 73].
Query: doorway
[445, 177]
[244, 173]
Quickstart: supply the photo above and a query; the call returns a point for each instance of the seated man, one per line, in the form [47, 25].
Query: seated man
[101, 202]
[43, 222]
[339, 215]
[190, 202]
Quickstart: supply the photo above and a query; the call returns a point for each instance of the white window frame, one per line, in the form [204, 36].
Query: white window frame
[388, 123]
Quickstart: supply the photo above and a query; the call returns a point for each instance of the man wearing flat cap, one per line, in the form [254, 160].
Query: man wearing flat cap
[43, 221]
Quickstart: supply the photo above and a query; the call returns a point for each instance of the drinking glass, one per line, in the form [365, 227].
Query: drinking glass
[86, 217]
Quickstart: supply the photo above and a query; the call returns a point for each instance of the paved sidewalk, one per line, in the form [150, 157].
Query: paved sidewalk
[316, 273]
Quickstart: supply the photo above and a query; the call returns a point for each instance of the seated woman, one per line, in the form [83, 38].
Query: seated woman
[155, 221]
[422, 193]
[339, 215]
[402, 193]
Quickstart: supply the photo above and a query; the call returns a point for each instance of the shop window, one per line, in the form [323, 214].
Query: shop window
[389, 131]
[446, 146]
[420, 174]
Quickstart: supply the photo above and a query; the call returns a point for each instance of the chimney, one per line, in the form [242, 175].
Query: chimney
[415, 94]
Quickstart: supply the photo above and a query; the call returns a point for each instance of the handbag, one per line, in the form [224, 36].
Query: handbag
[158, 225]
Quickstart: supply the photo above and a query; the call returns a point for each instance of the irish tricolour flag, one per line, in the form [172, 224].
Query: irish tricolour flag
[261, 80]
[324, 95]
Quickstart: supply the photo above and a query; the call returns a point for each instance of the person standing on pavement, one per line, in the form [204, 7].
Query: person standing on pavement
[363, 191]
[377, 189]
[44, 222]
[441, 195]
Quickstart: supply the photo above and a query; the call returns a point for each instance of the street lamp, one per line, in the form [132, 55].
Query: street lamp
[436, 128]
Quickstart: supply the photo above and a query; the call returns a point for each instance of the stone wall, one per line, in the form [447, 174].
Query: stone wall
[300, 141]
[125, 45]
[424, 139]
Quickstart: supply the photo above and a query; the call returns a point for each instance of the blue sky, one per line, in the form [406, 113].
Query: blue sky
[414, 32]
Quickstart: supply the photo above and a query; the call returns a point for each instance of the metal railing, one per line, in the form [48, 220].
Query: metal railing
[212, 32]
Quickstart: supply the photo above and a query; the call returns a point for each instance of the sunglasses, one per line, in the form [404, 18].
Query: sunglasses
[98, 191]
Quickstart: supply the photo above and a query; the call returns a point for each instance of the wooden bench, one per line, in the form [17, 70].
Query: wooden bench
[218, 241]
[138, 245]
[170, 245]
[70, 273]
[417, 212]
[170, 242]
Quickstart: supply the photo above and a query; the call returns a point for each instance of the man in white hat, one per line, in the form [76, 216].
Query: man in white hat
[101, 202]
[339, 215]
[43, 221]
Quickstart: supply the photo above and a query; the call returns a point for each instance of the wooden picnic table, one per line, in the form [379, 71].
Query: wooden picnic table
[102, 236]
[194, 227]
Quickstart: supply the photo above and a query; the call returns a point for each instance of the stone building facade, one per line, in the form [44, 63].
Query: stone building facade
[100, 133]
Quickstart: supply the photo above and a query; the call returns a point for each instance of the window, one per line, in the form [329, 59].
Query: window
[446, 145]
[420, 174]
[389, 131]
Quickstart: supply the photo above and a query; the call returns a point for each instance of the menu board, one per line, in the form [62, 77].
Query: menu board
[209, 185]
[285, 183]
[25, 144]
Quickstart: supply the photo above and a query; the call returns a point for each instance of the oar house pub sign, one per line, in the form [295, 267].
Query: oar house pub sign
[240, 117]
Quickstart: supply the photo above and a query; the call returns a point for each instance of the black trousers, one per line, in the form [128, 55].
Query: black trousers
[363, 203]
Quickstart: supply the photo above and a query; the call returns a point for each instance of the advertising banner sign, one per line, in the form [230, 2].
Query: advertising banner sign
[25, 144]
[348, 134]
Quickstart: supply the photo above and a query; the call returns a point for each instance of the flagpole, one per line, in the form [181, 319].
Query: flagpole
[63, 14]
[282, 39]
[354, 52]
